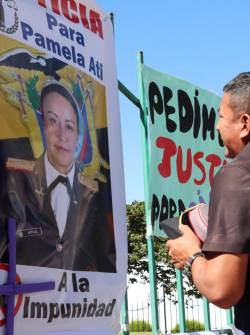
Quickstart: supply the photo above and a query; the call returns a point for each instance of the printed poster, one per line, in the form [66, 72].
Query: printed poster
[185, 149]
[60, 163]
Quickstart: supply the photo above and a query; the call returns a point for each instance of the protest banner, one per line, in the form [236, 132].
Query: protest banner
[185, 148]
[60, 157]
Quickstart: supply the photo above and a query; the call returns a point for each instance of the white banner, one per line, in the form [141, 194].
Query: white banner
[59, 115]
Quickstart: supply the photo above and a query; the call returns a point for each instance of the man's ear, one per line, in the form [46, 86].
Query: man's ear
[245, 126]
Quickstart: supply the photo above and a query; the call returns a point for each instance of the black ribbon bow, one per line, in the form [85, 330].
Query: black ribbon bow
[61, 179]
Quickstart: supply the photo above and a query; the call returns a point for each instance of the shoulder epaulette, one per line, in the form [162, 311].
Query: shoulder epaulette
[86, 181]
[20, 164]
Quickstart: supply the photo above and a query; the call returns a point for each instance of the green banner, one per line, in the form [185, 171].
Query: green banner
[185, 148]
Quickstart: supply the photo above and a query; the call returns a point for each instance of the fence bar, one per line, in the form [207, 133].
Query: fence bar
[230, 319]
[181, 306]
[164, 307]
[206, 311]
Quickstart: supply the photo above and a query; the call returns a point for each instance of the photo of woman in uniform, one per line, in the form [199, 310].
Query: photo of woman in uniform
[61, 219]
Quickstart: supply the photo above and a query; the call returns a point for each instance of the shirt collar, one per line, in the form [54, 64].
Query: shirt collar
[52, 173]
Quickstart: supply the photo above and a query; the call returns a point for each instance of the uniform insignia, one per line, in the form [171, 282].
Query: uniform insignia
[30, 232]
[20, 164]
[86, 181]
[40, 192]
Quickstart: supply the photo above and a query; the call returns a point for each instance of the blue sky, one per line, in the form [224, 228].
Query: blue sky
[204, 42]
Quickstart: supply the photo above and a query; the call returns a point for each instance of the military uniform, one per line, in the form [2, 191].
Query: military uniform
[87, 244]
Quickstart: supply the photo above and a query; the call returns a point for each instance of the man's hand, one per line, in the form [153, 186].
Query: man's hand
[221, 277]
[183, 247]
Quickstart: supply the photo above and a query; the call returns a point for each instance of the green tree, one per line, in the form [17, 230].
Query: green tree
[137, 254]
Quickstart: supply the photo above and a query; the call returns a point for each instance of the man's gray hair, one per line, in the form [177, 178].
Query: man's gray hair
[239, 90]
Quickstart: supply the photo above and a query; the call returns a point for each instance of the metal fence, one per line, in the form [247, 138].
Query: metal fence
[140, 310]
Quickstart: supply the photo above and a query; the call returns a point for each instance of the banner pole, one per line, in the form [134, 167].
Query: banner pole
[206, 311]
[124, 316]
[124, 310]
[181, 304]
[150, 235]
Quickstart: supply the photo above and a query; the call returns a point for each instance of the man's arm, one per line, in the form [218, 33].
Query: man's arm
[220, 277]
